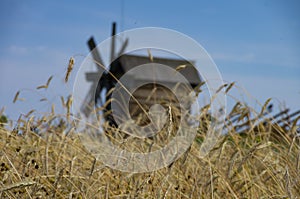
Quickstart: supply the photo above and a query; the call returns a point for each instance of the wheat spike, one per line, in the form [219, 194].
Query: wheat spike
[69, 106]
[16, 97]
[49, 80]
[221, 87]
[29, 113]
[180, 67]
[265, 106]
[47, 83]
[229, 87]
[62, 101]
[70, 68]
[53, 109]
[150, 55]
[198, 89]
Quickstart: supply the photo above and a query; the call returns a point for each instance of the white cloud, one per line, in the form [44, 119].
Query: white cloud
[18, 50]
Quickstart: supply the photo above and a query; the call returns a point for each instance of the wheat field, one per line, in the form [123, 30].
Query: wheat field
[43, 157]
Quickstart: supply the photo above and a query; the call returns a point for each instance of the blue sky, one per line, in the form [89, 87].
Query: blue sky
[255, 43]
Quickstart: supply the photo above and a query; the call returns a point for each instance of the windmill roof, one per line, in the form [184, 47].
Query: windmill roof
[189, 72]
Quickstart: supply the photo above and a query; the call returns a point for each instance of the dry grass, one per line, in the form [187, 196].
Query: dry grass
[259, 163]
[44, 158]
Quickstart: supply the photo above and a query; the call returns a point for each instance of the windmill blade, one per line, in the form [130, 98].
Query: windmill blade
[87, 107]
[96, 88]
[94, 91]
[125, 44]
[95, 53]
[93, 77]
[112, 49]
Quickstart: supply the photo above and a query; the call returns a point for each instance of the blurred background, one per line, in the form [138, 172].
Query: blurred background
[254, 43]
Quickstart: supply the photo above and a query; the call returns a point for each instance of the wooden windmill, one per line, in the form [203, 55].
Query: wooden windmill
[124, 63]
